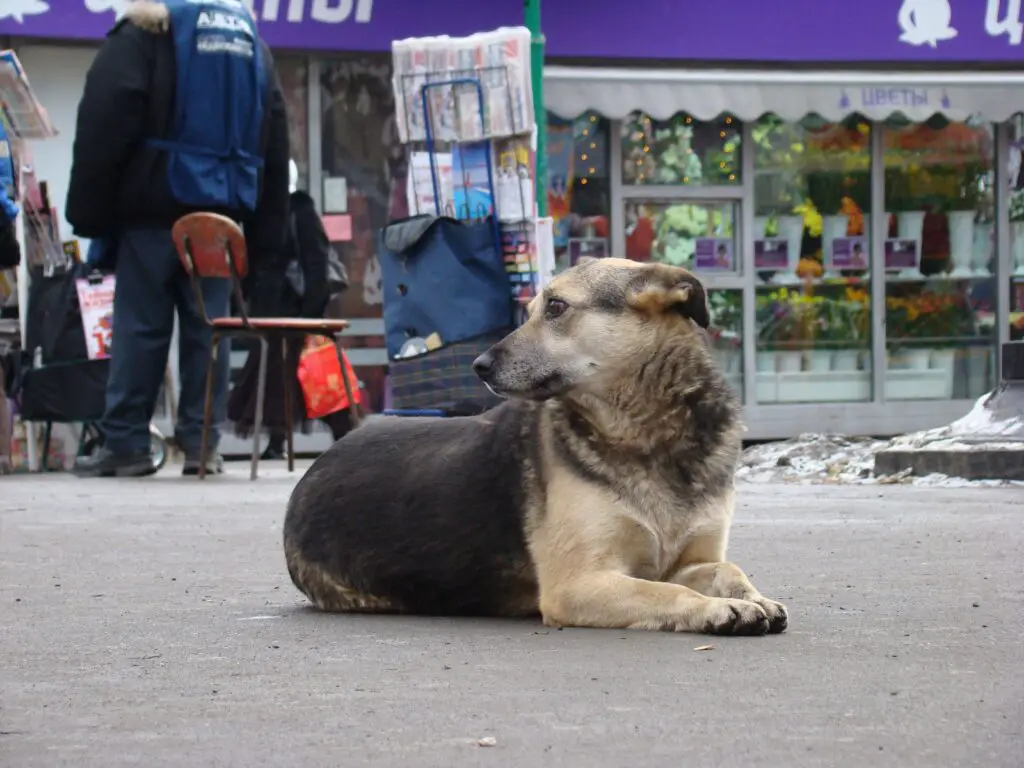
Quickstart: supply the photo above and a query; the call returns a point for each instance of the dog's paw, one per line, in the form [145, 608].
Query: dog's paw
[724, 616]
[778, 616]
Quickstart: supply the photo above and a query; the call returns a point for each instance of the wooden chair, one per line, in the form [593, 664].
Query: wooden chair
[212, 246]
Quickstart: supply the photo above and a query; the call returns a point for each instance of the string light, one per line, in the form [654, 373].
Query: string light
[646, 148]
[593, 145]
[583, 156]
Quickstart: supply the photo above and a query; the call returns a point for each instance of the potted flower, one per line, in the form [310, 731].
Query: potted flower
[1017, 231]
[778, 327]
[726, 310]
[899, 201]
[962, 207]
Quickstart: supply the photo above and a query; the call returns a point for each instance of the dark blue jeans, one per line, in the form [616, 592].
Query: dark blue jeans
[151, 285]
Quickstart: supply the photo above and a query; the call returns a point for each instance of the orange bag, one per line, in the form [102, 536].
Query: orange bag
[320, 378]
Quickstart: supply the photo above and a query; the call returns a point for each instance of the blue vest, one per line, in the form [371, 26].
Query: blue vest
[214, 157]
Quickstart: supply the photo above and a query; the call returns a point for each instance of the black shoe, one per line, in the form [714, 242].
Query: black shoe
[273, 453]
[105, 463]
[214, 464]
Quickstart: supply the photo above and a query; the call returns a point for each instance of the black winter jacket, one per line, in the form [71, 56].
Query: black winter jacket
[117, 183]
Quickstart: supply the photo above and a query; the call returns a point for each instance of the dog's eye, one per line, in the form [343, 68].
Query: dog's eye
[554, 308]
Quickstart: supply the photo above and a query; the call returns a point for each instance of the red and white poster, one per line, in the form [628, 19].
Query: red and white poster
[96, 300]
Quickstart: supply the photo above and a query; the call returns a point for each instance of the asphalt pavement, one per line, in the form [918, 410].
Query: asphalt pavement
[152, 623]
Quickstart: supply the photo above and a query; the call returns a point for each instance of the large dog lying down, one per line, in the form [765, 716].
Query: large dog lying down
[599, 495]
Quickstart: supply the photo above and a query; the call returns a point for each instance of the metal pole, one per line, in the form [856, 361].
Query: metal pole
[532, 14]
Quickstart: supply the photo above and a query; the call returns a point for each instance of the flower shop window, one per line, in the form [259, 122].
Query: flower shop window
[939, 259]
[701, 236]
[681, 151]
[812, 246]
[579, 186]
[1017, 232]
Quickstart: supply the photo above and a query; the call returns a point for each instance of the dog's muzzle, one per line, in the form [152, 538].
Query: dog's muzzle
[483, 366]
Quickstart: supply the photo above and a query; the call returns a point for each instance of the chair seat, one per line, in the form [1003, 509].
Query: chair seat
[285, 324]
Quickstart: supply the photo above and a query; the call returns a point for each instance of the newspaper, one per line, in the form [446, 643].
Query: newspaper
[19, 108]
[469, 88]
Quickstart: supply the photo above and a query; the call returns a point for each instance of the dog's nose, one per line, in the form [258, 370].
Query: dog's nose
[484, 365]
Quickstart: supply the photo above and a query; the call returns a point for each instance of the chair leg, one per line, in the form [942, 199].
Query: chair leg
[211, 367]
[288, 425]
[354, 414]
[261, 393]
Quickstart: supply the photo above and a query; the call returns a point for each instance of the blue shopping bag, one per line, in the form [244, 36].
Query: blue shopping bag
[444, 276]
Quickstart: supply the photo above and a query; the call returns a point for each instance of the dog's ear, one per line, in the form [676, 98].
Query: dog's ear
[660, 288]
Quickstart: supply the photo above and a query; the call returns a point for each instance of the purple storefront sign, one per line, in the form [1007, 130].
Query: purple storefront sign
[926, 31]
[771, 253]
[900, 253]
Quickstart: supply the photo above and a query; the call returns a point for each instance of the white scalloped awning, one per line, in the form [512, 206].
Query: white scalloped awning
[705, 94]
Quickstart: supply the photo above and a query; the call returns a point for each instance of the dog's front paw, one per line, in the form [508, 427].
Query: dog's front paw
[778, 616]
[724, 616]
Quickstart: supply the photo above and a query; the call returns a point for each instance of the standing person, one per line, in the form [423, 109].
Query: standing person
[182, 112]
[296, 284]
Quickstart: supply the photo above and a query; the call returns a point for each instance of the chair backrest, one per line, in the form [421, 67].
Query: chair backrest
[207, 245]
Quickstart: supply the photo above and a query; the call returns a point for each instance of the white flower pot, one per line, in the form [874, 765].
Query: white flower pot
[981, 251]
[945, 360]
[789, 362]
[846, 360]
[910, 225]
[978, 382]
[961, 242]
[728, 360]
[1017, 247]
[791, 228]
[819, 360]
[831, 228]
[918, 359]
[766, 362]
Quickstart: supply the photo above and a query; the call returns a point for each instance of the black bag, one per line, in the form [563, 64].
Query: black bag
[10, 251]
[65, 392]
[67, 386]
[54, 319]
[442, 276]
[443, 378]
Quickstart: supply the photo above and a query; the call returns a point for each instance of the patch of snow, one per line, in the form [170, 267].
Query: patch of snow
[834, 459]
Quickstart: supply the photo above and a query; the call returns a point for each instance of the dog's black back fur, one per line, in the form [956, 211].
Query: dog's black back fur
[422, 514]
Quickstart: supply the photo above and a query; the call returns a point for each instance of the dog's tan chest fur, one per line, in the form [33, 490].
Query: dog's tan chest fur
[587, 527]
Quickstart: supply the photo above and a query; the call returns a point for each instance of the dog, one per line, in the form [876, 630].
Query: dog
[599, 494]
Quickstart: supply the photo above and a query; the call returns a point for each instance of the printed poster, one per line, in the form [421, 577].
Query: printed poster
[714, 253]
[96, 300]
[561, 172]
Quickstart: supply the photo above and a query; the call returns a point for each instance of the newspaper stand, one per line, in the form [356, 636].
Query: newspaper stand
[472, 156]
[25, 120]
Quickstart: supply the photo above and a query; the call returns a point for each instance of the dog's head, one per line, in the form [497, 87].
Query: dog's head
[595, 326]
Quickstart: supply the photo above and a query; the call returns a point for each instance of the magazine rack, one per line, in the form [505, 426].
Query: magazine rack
[25, 119]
